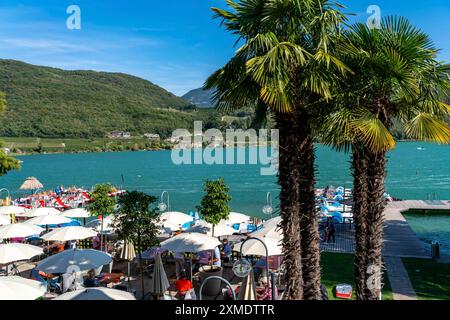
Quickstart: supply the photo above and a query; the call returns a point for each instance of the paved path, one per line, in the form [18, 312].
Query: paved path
[401, 286]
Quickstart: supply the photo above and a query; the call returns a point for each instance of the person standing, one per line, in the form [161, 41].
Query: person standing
[331, 230]
[216, 261]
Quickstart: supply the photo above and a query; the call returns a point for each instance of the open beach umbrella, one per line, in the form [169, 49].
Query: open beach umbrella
[256, 248]
[96, 294]
[85, 259]
[190, 242]
[270, 229]
[45, 211]
[31, 183]
[12, 252]
[150, 254]
[235, 218]
[159, 283]
[19, 230]
[13, 210]
[220, 230]
[4, 221]
[128, 253]
[18, 288]
[69, 234]
[48, 220]
[97, 224]
[76, 213]
[175, 220]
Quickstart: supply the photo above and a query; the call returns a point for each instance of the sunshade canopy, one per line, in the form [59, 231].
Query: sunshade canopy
[12, 252]
[31, 184]
[76, 213]
[190, 242]
[82, 259]
[48, 220]
[96, 294]
[69, 233]
[19, 230]
[18, 288]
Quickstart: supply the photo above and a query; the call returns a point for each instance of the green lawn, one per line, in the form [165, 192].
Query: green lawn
[337, 268]
[431, 280]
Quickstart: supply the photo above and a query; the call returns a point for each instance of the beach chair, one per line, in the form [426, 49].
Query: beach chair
[53, 285]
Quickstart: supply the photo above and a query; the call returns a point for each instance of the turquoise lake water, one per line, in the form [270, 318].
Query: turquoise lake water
[412, 174]
[431, 227]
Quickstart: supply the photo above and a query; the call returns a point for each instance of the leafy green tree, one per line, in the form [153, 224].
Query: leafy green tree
[215, 202]
[102, 204]
[136, 221]
[397, 80]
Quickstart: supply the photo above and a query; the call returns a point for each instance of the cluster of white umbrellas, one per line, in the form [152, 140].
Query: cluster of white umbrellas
[18, 288]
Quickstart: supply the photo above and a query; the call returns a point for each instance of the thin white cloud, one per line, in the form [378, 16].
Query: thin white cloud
[44, 44]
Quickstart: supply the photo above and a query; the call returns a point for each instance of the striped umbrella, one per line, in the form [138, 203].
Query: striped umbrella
[159, 282]
[128, 253]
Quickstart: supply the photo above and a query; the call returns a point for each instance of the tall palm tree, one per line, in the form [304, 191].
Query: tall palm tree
[285, 64]
[397, 78]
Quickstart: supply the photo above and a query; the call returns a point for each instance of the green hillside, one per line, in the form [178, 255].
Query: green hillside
[200, 97]
[53, 103]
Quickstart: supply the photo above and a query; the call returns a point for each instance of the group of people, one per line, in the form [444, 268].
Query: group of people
[220, 254]
[329, 231]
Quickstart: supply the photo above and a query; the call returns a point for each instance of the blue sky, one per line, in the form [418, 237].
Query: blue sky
[173, 43]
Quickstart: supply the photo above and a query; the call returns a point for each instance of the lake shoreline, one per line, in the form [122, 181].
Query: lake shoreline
[165, 148]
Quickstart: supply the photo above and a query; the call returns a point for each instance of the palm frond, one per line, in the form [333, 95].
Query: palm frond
[429, 128]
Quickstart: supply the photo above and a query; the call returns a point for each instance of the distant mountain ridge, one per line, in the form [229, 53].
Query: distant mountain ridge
[200, 97]
[48, 102]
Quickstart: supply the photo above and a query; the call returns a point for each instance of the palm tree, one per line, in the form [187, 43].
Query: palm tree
[285, 66]
[397, 78]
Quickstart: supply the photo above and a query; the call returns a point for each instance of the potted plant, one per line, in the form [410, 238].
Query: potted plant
[213, 209]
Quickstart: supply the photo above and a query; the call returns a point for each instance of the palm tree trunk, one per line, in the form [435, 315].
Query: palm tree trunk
[359, 171]
[376, 174]
[289, 207]
[310, 244]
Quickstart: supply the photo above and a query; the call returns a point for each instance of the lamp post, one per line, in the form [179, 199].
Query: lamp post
[268, 209]
[271, 275]
[9, 195]
[220, 278]
[162, 205]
